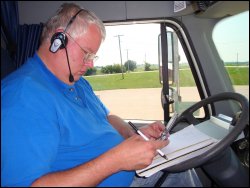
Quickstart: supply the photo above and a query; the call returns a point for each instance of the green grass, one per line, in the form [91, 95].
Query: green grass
[131, 80]
[186, 78]
[238, 75]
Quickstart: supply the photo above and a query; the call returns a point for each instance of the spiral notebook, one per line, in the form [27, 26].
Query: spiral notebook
[184, 144]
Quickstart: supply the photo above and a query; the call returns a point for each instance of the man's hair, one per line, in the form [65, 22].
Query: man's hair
[77, 28]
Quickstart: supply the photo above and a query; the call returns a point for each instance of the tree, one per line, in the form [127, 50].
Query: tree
[90, 71]
[117, 68]
[130, 65]
[107, 69]
[147, 67]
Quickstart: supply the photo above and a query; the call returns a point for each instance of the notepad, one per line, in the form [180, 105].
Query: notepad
[184, 144]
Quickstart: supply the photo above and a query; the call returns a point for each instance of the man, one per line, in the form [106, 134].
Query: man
[55, 131]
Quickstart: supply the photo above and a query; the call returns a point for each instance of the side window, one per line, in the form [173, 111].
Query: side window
[127, 75]
[232, 44]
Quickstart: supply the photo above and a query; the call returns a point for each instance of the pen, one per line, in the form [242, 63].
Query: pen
[146, 138]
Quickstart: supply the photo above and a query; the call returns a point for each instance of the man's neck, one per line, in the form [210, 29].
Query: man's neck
[50, 62]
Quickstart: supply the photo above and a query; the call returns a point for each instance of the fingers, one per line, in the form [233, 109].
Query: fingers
[138, 152]
[154, 130]
[158, 125]
[157, 144]
[160, 143]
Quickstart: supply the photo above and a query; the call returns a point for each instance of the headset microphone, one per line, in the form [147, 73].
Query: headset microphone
[71, 77]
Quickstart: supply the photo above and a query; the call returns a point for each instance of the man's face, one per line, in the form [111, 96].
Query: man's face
[82, 51]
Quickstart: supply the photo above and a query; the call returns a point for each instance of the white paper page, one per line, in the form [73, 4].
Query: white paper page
[182, 142]
[148, 172]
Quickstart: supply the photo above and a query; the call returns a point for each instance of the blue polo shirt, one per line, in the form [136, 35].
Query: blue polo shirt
[49, 126]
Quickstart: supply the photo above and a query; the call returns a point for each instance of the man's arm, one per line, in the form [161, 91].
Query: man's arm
[152, 130]
[83, 174]
[137, 152]
[120, 125]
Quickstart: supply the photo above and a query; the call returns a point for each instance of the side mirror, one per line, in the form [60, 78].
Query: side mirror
[173, 58]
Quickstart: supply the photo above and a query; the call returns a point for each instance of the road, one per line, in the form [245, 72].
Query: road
[146, 103]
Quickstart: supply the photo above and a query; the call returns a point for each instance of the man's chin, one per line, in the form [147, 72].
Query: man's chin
[81, 73]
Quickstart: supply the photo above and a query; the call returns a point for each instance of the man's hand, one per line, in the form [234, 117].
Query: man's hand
[154, 130]
[136, 153]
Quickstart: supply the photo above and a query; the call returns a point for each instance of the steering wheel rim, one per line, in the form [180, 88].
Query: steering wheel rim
[226, 141]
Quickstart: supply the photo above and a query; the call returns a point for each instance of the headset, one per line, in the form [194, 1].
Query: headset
[59, 41]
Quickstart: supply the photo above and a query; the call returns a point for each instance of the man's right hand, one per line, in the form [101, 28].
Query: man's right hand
[135, 153]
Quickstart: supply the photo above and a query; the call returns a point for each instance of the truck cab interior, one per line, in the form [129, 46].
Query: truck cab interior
[186, 24]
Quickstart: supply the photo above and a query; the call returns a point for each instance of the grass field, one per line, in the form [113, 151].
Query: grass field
[238, 75]
[131, 80]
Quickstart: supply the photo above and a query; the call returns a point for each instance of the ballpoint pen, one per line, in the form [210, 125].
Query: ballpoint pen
[146, 138]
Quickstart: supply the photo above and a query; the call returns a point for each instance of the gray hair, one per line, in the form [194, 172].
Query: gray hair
[77, 28]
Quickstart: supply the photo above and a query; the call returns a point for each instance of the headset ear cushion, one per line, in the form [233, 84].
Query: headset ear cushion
[58, 40]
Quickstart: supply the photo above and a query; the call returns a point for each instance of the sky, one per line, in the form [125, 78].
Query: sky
[135, 44]
[237, 30]
[139, 42]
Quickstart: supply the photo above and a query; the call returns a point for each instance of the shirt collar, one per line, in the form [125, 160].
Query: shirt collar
[51, 77]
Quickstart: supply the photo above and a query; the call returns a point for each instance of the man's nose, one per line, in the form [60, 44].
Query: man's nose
[89, 64]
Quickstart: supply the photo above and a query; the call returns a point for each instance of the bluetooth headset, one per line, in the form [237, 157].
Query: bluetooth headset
[59, 41]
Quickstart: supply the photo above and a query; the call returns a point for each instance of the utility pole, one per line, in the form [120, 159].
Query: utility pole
[127, 60]
[237, 59]
[120, 53]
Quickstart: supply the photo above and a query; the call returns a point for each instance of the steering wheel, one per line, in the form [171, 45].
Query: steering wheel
[223, 144]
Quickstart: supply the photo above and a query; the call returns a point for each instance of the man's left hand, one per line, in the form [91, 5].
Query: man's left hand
[153, 130]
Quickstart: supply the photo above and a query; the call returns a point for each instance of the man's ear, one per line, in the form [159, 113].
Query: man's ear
[58, 41]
